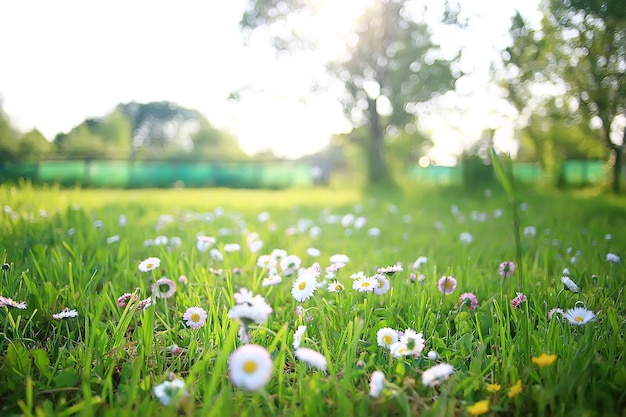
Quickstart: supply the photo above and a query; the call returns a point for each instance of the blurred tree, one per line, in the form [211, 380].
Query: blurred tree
[211, 143]
[389, 67]
[33, 146]
[81, 142]
[8, 138]
[116, 130]
[574, 63]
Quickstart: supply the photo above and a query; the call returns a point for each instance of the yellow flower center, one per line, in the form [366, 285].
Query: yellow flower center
[302, 285]
[366, 284]
[387, 339]
[448, 285]
[578, 319]
[380, 283]
[249, 366]
[195, 317]
[149, 266]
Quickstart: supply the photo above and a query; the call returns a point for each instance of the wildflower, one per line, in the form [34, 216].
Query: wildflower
[113, 239]
[312, 358]
[493, 388]
[250, 367]
[98, 224]
[144, 303]
[383, 284]
[149, 264]
[232, 247]
[216, 255]
[506, 269]
[530, 231]
[161, 240]
[263, 216]
[182, 279]
[390, 270]
[126, 298]
[169, 392]
[569, 284]
[519, 298]
[386, 337]
[419, 262]
[290, 264]
[272, 280]
[359, 222]
[479, 408]
[437, 374]
[163, 288]
[579, 316]
[335, 286]
[374, 231]
[608, 236]
[377, 383]
[566, 272]
[195, 317]
[175, 349]
[339, 259]
[278, 254]
[249, 308]
[554, 310]
[611, 257]
[255, 245]
[414, 341]
[66, 313]
[8, 302]
[121, 220]
[304, 287]
[516, 389]
[365, 284]
[297, 336]
[446, 284]
[466, 238]
[243, 334]
[432, 355]
[544, 359]
[469, 299]
[313, 252]
[358, 275]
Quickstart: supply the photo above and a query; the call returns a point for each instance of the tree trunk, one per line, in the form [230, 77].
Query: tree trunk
[377, 169]
[618, 162]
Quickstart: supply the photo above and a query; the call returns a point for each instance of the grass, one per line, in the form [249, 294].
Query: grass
[107, 360]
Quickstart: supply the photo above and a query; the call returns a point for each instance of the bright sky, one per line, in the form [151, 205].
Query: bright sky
[67, 60]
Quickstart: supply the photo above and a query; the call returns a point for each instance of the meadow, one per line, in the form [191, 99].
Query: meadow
[311, 302]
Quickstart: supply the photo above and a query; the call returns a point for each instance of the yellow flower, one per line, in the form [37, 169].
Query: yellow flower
[516, 389]
[480, 408]
[544, 359]
[493, 387]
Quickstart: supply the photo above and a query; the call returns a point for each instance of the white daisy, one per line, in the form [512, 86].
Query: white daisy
[399, 349]
[390, 270]
[271, 281]
[611, 257]
[383, 284]
[278, 255]
[304, 287]
[255, 245]
[386, 337]
[313, 252]
[358, 275]
[149, 264]
[419, 262]
[377, 383]
[339, 258]
[579, 316]
[195, 317]
[437, 374]
[255, 310]
[297, 336]
[9, 302]
[335, 286]
[65, 314]
[569, 284]
[216, 255]
[164, 288]
[432, 355]
[113, 239]
[365, 284]
[250, 367]
[266, 262]
[466, 238]
[232, 247]
[169, 392]
[312, 358]
[290, 264]
[414, 341]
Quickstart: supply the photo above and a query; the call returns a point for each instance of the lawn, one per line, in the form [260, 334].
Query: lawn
[137, 302]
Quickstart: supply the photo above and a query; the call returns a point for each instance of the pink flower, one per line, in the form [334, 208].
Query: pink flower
[182, 279]
[520, 298]
[554, 310]
[469, 299]
[126, 299]
[446, 284]
[506, 269]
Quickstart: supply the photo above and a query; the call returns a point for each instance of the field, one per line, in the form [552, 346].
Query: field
[452, 331]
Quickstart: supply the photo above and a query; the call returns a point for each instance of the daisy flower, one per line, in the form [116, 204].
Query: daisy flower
[66, 313]
[8, 302]
[297, 336]
[195, 317]
[469, 299]
[163, 288]
[377, 383]
[312, 358]
[506, 269]
[255, 245]
[432, 355]
[414, 341]
[437, 374]
[290, 264]
[554, 310]
[569, 284]
[266, 262]
[446, 285]
[386, 337]
[519, 299]
[466, 238]
[419, 262]
[169, 392]
[335, 286]
[304, 287]
[358, 275]
[149, 264]
[203, 243]
[579, 316]
[272, 280]
[313, 252]
[144, 303]
[250, 309]
[216, 255]
[530, 231]
[390, 270]
[232, 247]
[365, 284]
[339, 258]
[611, 257]
[383, 284]
[250, 367]
[278, 254]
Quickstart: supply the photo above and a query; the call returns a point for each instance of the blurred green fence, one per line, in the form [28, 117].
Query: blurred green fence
[135, 174]
[574, 172]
